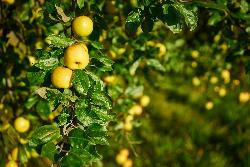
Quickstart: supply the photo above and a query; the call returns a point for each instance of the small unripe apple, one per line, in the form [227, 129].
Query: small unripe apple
[144, 100]
[76, 56]
[82, 26]
[61, 77]
[11, 164]
[21, 124]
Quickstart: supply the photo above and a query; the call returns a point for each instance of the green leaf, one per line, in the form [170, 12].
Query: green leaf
[81, 82]
[214, 19]
[78, 138]
[47, 64]
[133, 20]
[43, 134]
[35, 76]
[49, 150]
[100, 99]
[134, 67]
[97, 84]
[105, 60]
[134, 91]
[96, 130]
[84, 116]
[96, 44]
[59, 41]
[190, 17]
[63, 119]
[156, 64]
[43, 109]
[31, 101]
[80, 3]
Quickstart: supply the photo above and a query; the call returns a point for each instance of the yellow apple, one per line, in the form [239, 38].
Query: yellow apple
[11, 164]
[61, 77]
[76, 56]
[128, 163]
[120, 159]
[213, 80]
[196, 81]
[162, 49]
[21, 124]
[128, 126]
[14, 154]
[144, 100]
[195, 54]
[135, 110]
[222, 92]
[82, 26]
[244, 97]
[124, 152]
[209, 105]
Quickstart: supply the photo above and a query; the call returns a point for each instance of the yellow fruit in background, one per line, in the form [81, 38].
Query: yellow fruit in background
[222, 92]
[129, 118]
[196, 81]
[34, 154]
[23, 141]
[195, 54]
[14, 154]
[128, 126]
[9, 2]
[225, 74]
[21, 124]
[124, 152]
[209, 105]
[213, 80]
[144, 100]
[128, 163]
[162, 49]
[244, 97]
[134, 3]
[76, 56]
[224, 47]
[194, 64]
[82, 26]
[120, 159]
[135, 110]
[236, 82]
[61, 77]
[109, 79]
[11, 164]
[217, 38]
[110, 7]
[32, 60]
[150, 43]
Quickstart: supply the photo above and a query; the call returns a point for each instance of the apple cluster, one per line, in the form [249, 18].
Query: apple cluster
[76, 56]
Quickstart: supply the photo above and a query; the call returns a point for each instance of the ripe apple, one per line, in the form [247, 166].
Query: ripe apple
[124, 152]
[76, 56]
[61, 77]
[82, 26]
[21, 124]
